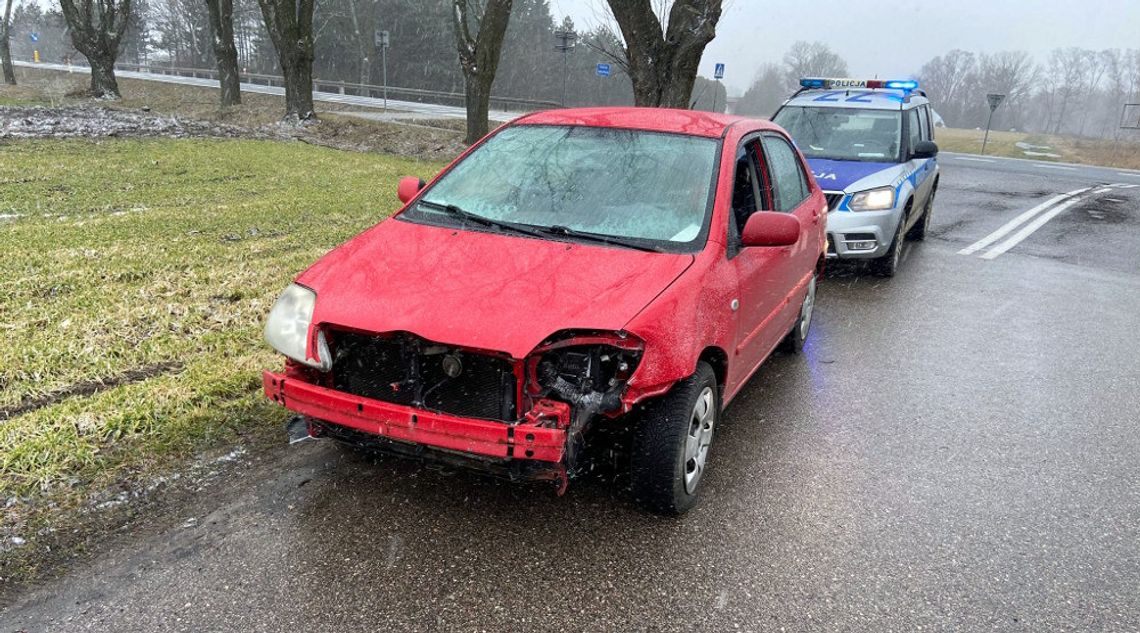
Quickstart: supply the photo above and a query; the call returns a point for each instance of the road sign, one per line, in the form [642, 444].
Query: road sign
[718, 71]
[995, 100]
[382, 39]
[603, 70]
[34, 37]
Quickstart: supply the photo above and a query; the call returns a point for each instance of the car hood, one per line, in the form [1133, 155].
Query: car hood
[840, 175]
[482, 290]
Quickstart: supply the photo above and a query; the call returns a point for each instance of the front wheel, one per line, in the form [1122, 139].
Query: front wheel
[671, 444]
[917, 233]
[888, 264]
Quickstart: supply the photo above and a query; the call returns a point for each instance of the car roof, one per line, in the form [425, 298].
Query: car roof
[691, 122]
[876, 99]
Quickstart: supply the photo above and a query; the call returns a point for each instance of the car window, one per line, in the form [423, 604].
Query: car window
[914, 133]
[924, 127]
[789, 182]
[620, 183]
[843, 133]
[746, 197]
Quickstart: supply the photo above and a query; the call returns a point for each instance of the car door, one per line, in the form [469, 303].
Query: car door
[793, 194]
[921, 168]
[759, 299]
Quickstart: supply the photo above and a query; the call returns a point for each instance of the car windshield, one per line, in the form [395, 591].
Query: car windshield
[844, 133]
[634, 186]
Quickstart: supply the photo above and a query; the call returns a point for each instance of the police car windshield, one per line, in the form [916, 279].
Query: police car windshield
[844, 133]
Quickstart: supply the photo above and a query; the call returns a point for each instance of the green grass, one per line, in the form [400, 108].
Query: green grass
[132, 253]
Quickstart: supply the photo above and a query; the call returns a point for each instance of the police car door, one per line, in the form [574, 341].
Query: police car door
[918, 129]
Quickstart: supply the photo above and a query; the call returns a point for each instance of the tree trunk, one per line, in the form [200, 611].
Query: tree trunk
[478, 97]
[479, 59]
[298, 89]
[96, 31]
[225, 51]
[663, 61]
[103, 83]
[290, 26]
[5, 50]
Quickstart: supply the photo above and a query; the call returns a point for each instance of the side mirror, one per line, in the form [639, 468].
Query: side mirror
[409, 187]
[765, 228]
[925, 149]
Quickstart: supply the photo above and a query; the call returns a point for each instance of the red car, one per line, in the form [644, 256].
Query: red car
[575, 270]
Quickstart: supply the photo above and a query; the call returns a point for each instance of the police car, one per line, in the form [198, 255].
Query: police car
[871, 146]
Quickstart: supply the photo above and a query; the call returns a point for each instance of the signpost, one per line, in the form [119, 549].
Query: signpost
[383, 41]
[566, 41]
[994, 100]
[34, 37]
[718, 74]
[603, 70]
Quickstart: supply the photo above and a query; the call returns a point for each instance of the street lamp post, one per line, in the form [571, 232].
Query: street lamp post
[383, 40]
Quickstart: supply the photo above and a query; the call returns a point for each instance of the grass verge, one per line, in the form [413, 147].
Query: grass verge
[1123, 153]
[135, 278]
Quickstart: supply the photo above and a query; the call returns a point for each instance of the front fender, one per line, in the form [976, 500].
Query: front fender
[688, 317]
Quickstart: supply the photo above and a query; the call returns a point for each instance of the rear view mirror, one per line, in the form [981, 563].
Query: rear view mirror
[765, 228]
[925, 149]
[409, 187]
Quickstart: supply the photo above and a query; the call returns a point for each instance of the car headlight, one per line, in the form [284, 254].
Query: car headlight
[287, 328]
[879, 199]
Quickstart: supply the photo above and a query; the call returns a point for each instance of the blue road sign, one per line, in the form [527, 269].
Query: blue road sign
[34, 37]
[718, 71]
[603, 70]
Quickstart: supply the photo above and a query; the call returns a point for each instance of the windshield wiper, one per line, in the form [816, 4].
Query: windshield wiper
[463, 214]
[566, 231]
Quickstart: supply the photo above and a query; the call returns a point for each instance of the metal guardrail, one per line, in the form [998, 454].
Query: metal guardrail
[345, 88]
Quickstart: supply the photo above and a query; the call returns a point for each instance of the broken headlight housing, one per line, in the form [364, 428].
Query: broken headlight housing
[585, 369]
[287, 328]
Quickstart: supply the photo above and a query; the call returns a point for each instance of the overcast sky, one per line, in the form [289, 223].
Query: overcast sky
[894, 38]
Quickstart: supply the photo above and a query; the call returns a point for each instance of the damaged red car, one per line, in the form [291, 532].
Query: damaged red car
[576, 270]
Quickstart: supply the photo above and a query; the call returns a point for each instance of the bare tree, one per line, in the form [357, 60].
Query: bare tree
[479, 56]
[662, 59]
[225, 51]
[812, 59]
[765, 94]
[5, 49]
[97, 28]
[290, 26]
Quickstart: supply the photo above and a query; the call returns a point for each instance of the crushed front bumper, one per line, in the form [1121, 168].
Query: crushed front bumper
[539, 436]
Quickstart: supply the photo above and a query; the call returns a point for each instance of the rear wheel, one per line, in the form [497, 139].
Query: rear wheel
[888, 264]
[671, 444]
[793, 343]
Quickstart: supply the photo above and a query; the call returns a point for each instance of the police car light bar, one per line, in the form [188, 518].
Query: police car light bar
[832, 83]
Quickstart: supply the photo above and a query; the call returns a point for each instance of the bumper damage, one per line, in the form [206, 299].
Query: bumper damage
[532, 448]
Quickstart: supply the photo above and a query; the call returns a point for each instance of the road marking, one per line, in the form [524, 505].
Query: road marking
[1104, 190]
[1127, 175]
[1029, 229]
[975, 160]
[1018, 221]
[1057, 167]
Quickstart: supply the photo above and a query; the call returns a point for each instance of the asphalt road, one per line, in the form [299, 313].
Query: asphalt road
[955, 451]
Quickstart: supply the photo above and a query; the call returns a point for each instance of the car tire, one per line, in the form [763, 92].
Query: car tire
[671, 443]
[793, 343]
[917, 233]
[888, 264]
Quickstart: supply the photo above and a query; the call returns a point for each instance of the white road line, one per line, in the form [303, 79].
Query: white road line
[1104, 190]
[1028, 229]
[976, 160]
[1018, 221]
[1127, 175]
[1057, 167]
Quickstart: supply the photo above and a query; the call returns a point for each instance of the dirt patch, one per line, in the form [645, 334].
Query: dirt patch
[22, 122]
[90, 387]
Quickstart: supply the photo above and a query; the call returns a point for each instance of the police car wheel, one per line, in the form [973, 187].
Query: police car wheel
[917, 232]
[888, 264]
